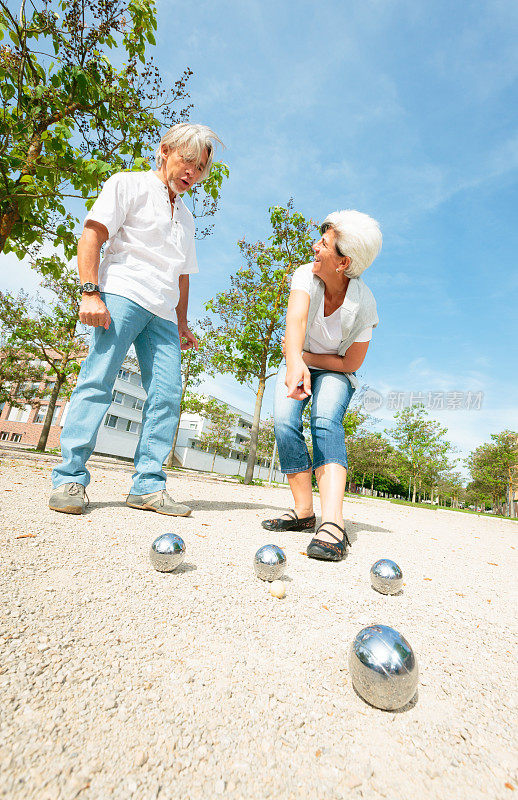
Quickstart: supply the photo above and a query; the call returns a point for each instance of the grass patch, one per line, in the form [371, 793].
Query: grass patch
[254, 482]
[480, 513]
[429, 506]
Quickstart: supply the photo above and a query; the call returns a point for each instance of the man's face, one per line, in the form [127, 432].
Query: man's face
[179, 172]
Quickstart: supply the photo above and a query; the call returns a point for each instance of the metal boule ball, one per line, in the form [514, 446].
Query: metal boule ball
[383, 667]
[167, 552]
[270, 562]
[386, 576]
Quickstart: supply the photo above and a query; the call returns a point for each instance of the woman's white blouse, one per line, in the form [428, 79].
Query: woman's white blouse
[325, 333]
[149, 246]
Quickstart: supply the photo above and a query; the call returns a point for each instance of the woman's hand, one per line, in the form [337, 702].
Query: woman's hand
[298, 380]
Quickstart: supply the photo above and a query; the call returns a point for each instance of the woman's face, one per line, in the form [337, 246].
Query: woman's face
[326, 259]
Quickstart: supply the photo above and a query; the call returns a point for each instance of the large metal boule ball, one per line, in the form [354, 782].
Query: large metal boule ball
[383, 667]
[386, 576]
[270, 562]
[167, 552]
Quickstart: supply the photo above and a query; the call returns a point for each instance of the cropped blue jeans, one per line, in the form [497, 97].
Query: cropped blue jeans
[331, 393]
[157, 345]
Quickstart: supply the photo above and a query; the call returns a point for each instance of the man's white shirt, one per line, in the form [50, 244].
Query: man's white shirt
[149, 245]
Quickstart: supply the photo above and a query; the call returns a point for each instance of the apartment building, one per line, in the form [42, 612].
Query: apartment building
[122, 424]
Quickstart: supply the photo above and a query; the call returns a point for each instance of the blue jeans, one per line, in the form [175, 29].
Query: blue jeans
[157, 345]
[331, 393]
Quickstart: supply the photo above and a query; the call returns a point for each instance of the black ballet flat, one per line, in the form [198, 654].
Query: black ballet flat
[294, 523]
[329, 551]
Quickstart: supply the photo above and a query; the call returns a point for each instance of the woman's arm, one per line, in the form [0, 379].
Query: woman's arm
[296, 321]
[350, 362]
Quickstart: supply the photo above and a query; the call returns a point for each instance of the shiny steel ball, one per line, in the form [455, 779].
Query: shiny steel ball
[167, 552]
[270, 562]
[386, 576]
[383, 667]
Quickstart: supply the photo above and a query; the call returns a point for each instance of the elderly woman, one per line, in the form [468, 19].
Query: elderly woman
[331, 314]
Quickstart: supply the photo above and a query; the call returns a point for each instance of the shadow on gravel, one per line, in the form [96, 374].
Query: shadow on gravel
[394, 594]
[179, 570]
[195, 505]
[359, 527]
[411, 704]
[93, 506]
[226, 505]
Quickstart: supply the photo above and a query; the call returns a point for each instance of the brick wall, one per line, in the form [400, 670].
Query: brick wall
[30, 431]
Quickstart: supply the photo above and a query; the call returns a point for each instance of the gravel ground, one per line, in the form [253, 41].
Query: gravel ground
[117, 681]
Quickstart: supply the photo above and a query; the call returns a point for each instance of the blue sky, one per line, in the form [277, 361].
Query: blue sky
[404, 110]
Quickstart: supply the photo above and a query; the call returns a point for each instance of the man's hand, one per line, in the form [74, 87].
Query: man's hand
[298, 381]
[187, 338]
[93, 312]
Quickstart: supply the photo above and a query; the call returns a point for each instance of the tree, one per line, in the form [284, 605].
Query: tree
[266, 439]
[47, 332]
[20, 376]
[449, 487]
[219, 437]
[370, 454]
[194, 365]
[71, 118]
[491, 467]
[420, 442]
[355, 418]
[245, 339]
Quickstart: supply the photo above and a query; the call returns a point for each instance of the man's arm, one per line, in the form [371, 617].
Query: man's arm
[92, 310]
[187, 338]
[350, 362]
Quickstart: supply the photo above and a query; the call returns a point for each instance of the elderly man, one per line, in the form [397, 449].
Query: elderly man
[138, 295]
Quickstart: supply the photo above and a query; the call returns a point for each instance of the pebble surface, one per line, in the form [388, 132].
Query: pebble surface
[117, 681]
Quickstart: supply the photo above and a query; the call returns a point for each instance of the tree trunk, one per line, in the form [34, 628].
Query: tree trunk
[255, 432]
[214, 460]
[414, 492]
[42, 443]
[170, 458]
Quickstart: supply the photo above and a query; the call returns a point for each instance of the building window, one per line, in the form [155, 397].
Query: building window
[124, 374]
[133, 427]
[193, 425]
[19, 414]
[4, 436]
[110, 421]
[16, 437]
[42, 413]
[117, 397]
[137, 403]
[135, 379]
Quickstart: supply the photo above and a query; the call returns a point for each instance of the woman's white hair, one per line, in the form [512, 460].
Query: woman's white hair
[191, 139]
[357, 236]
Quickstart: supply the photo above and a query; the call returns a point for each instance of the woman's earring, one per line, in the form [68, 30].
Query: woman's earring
[337, 269]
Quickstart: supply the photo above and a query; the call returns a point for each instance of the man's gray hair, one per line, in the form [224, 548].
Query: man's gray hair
[357, 236]
[191, 139]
